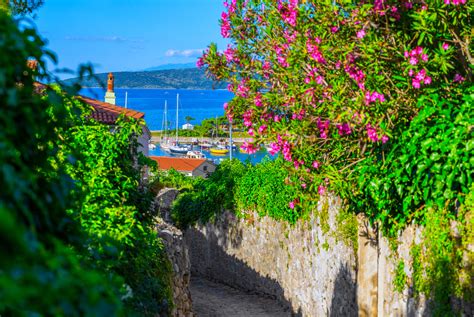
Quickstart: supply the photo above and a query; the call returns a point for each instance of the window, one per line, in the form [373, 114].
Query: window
[204, 168]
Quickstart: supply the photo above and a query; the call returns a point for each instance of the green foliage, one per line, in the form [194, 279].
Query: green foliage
[264, 189]
[348, 229]
[429, 165]
[42, 273]
[400, 277]
[74, 215]
[115, 209]
[438, 267]
[208, 197]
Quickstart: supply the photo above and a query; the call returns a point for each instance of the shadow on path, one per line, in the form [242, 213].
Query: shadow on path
[214, 299]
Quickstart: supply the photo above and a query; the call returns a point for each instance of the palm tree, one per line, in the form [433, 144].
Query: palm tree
[188, 118]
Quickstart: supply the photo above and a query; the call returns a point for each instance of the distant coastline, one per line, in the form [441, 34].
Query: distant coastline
[189, 78]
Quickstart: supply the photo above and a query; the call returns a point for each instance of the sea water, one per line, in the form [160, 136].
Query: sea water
[198, 104]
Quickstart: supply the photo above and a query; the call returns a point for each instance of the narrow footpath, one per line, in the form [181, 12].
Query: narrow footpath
[217, 300]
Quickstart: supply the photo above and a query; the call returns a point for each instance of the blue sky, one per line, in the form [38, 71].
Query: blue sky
[120, 35]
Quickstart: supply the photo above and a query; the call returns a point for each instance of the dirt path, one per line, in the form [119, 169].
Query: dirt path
[217, 300]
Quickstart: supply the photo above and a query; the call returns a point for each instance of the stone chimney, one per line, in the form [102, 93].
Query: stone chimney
[110, 94]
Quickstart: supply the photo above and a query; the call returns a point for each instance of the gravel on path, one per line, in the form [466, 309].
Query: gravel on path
[212, 299]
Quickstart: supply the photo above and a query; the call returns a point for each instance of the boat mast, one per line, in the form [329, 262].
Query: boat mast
[177, 101]
[230, 137]
[126, 99]
[165, 118]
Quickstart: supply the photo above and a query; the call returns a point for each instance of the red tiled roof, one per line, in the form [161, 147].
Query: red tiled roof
[108, 113]
[178, 163]
[103, 112]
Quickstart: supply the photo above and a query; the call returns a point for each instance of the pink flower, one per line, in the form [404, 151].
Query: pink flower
[316, 164]
[415, 83]
[458, 78]
[413, 60]
[200, 62]
[258, 100]
[291, 204]
[251, 132]
[343, 129]
[225, 25]
[445, 46]
[427, 80]
[275, 148]
[334, 29]
[384, 139]
[249, 148]
[262, 128]
[247, 116]
[321, 190]
[303, 185]
[361, 34]
[372, 133]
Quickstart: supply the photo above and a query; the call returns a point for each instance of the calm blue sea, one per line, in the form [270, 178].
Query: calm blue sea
[199, 104]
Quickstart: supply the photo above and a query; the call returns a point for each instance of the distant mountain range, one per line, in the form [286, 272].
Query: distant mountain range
[186, 78]
[171, 66]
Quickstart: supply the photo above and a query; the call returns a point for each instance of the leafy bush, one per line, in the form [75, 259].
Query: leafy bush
[263, 188]
[42, 272]
[430, 165]
[208, 197]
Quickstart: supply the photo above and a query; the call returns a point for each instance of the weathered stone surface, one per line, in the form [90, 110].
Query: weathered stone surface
[178, 255]
[163, 202]
[289, 263]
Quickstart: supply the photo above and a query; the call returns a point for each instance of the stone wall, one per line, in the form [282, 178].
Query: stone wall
[177, 252]
[305, 267]
[311, 272]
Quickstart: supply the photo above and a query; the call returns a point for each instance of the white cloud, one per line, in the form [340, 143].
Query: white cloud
[185, 53]
[102, 39]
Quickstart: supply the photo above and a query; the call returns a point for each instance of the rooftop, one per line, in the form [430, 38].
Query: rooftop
[178, 163]
[108, 113]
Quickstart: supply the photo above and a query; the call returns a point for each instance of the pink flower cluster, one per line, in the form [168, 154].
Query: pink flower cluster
[242, 89]
[343, 129]
[298, 116]
[373, 136]
[312, 73]
[373, 97]
[258, 99]
[282, 145]
[289, 11]
[274, 148]
[419, 78]
[200, 61]
[314, 52]
[415, 55]
[356, 74]
[281, 58]
[225, 25]
[247, 118]
[249, 148]
[323, 127]
[230, 54]
[455, 2]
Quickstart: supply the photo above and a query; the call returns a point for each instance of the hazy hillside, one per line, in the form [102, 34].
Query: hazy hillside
[171, 66]
[192, 78]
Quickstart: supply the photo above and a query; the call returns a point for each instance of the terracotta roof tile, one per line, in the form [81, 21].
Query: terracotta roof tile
[178, 163]
[108, 113]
